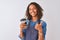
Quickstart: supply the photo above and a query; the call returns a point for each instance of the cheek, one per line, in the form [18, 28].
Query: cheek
[35, 11]
[30, 11]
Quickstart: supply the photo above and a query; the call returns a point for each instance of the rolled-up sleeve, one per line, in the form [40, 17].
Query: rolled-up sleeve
[24, 31]
[44, 27]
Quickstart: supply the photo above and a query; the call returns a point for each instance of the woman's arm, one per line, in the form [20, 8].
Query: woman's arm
[22, 26]
[40, 31]
[40, 34]
[21, 33]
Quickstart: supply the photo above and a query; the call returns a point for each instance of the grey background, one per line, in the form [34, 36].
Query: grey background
[11, 11]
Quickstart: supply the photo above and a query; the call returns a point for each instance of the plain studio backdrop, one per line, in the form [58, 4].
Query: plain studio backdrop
[11, 11]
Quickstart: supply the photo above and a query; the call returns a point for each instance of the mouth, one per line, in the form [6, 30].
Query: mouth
[32, 12]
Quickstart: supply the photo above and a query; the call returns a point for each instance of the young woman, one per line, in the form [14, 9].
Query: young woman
[36, 29]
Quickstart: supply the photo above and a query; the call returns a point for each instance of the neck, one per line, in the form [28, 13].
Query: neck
[34, 19]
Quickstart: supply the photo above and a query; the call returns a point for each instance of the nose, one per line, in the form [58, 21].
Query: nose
[32, 10]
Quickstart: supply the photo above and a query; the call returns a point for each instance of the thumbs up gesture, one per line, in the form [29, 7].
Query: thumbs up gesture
[38, 26]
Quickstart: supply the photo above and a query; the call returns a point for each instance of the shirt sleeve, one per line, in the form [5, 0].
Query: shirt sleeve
[44, 27]
[24, 31]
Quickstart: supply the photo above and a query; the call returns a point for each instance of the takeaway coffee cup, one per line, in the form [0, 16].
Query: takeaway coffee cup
[24, 20]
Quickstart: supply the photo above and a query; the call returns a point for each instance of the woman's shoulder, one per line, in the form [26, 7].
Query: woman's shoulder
[44, 24]
[41, 21]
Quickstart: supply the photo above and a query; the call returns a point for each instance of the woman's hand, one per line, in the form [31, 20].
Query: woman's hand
[40, 32]
[38, 26]
[22, 25]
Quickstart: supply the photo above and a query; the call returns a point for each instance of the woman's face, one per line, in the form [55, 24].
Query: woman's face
[33, 10]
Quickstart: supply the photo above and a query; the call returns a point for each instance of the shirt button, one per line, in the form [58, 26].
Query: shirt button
[32, 31]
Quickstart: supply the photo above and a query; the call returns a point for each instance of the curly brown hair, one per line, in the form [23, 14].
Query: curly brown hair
[39, 11]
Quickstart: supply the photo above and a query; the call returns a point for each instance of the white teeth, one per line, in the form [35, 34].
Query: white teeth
[32, 12]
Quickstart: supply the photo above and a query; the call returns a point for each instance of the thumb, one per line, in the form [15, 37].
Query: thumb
[41, 24]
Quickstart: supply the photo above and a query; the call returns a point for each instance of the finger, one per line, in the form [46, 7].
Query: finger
[23, 23]
[40, 23]
[36, 25]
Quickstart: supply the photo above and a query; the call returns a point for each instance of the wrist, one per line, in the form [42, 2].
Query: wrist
[39, 30]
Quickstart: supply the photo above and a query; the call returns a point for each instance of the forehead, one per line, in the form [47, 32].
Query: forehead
[32, 6]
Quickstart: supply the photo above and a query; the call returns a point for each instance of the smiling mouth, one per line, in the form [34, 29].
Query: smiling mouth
[33, 12]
